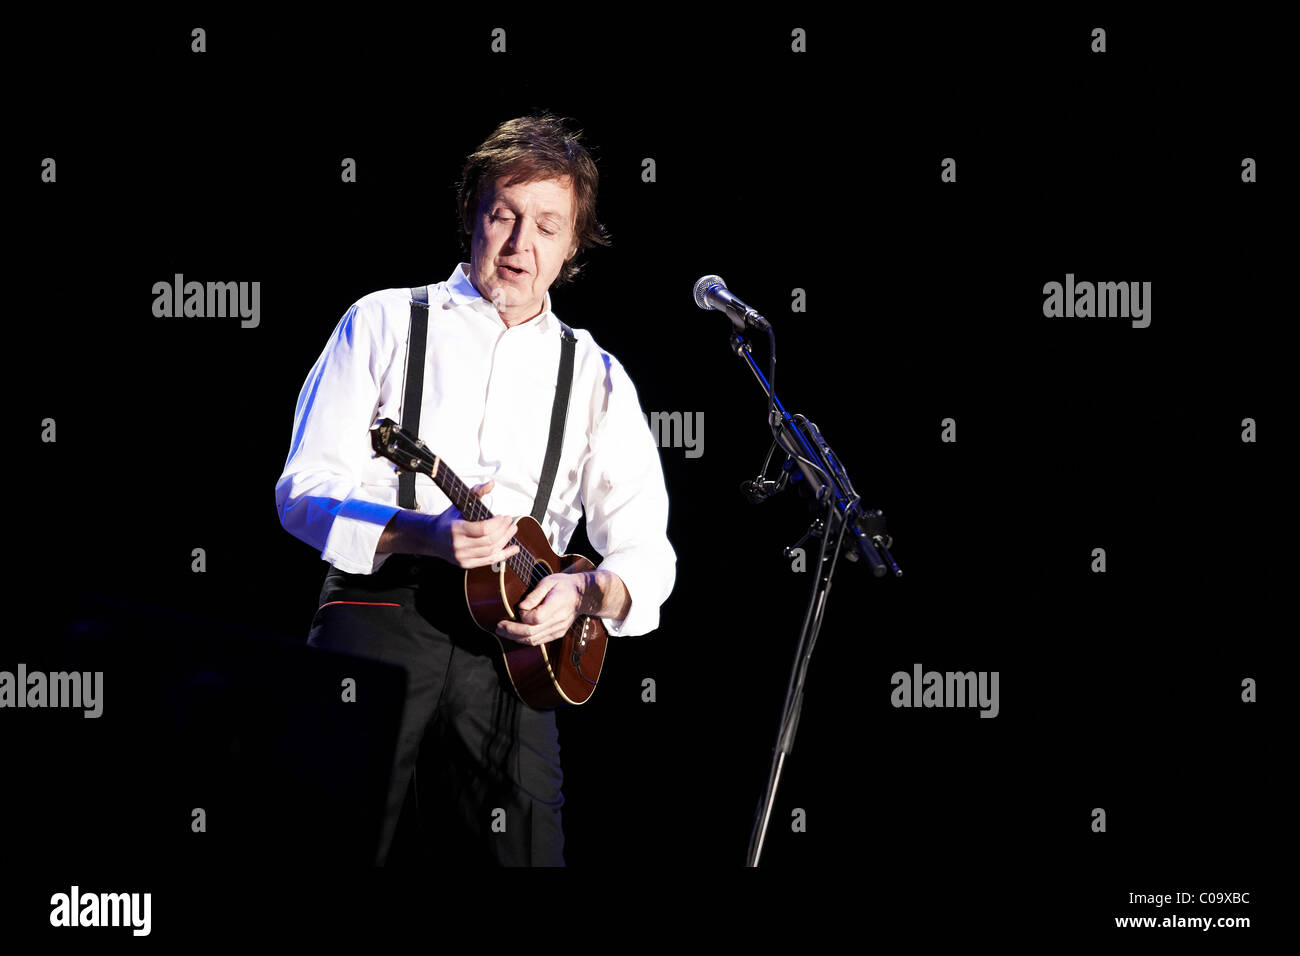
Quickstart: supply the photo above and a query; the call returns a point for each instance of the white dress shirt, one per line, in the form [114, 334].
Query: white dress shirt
[488, 391]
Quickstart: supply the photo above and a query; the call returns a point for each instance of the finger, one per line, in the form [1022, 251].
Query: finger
[493, 527]
[535, 596]
[527, 635]
[544, 635]
[514, 631]
[506, 535]
[479, 545]
[495, 557]
[475, 551]
[469, 548]
[549, 615]
[484, 488]
[503, 543]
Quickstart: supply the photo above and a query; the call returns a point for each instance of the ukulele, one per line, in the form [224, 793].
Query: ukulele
[562, 671]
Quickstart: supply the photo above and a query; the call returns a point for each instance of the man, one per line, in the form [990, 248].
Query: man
[478, 769]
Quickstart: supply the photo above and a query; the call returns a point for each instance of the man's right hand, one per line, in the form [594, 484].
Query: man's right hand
[472, 544]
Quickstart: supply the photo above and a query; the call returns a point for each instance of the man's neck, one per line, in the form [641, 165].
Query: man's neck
[512, 320]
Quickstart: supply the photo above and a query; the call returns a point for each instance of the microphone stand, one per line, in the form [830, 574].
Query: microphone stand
[842, 514]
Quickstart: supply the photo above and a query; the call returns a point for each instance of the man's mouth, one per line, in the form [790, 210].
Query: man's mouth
[512, 269]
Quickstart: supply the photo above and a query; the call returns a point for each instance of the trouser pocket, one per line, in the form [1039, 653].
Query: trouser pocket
[353, 626]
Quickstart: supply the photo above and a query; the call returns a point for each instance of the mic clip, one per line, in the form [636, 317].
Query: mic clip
[758, 490]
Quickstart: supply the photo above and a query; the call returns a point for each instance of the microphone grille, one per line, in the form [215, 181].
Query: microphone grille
[702, 288]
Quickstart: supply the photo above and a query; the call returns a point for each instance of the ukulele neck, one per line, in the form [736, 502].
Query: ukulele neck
[467, 503]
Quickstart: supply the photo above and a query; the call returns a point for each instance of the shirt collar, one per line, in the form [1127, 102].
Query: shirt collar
[462, 292]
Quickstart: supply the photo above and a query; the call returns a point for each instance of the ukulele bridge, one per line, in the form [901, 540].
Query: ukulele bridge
[580, 644]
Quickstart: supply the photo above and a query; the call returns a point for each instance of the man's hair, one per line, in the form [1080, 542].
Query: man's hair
[527, 149]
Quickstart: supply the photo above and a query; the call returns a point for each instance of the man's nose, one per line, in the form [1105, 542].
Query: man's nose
[522, 233]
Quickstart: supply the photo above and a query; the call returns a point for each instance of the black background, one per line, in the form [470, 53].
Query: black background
[924, 301]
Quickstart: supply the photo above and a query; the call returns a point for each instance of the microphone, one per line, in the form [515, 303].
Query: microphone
[712, 293]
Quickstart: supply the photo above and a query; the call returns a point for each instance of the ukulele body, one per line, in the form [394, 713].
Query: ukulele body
[562, 671]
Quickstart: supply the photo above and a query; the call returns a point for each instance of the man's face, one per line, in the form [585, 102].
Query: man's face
[526, 227]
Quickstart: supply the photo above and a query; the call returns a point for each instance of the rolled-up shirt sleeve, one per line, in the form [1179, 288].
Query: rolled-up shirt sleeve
[320, 495]
[626, 504]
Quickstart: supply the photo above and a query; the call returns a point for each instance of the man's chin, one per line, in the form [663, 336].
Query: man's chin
[502, 298]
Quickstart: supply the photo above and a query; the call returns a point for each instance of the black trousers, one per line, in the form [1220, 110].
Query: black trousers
[476, 774]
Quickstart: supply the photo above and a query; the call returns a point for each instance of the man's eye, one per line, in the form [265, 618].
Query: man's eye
[547, 232]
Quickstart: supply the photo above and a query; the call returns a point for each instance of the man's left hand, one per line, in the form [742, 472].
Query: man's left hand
[547, 611]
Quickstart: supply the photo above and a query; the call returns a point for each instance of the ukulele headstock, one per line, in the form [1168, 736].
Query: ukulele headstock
[389, 440]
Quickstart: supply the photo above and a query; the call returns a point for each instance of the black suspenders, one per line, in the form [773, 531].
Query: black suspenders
[559, 414]
[412, 396]
[414, 390]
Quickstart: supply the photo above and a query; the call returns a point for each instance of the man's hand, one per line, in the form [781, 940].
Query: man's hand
[472, 544]
[547, 611]
[466, 544]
